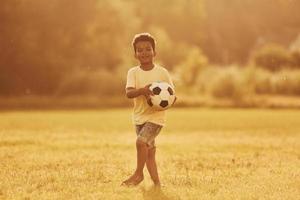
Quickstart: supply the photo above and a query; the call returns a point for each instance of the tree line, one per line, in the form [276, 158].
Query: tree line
[48, 47]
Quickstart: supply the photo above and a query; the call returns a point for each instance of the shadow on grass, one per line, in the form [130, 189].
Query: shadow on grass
[154, 193]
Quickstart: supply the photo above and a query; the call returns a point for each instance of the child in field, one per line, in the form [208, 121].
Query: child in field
[148, 122]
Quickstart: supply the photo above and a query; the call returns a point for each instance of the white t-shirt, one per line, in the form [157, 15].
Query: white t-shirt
[138, 78]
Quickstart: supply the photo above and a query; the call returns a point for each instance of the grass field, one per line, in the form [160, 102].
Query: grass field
[202, 154]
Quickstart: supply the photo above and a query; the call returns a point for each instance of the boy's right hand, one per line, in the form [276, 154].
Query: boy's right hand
[146, 91]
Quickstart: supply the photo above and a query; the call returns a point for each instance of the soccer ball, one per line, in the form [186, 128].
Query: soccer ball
[163, 95]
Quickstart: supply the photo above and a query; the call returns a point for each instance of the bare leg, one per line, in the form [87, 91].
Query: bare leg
[151, 166]
[142, 154]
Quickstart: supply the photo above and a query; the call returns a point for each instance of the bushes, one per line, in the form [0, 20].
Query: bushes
[189, 69]
[256, 80]
[226, 83]
[276, 71]
[237, 83]
[93, 83]
[287, 83]
[274, 57]
[295, 59]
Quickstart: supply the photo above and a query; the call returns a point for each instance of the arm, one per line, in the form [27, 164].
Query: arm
[131, 92]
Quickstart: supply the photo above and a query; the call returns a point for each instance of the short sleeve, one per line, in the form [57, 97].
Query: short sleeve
[169, 79]
[130, 79]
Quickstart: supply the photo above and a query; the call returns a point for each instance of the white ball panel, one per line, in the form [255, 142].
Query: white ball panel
[164, 95]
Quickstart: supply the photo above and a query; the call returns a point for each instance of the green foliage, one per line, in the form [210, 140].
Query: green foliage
[96, 82]
[239, 83]
[169, 53]
[272, 57]
[226, 84]
[295, 59]
[287, 82]
[256, 80]
[189, 69]
[43, 42]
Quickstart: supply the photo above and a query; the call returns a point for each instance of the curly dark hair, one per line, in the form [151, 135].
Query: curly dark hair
[143, 37]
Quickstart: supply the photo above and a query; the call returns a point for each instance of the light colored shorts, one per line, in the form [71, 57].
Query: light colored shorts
[147, 133]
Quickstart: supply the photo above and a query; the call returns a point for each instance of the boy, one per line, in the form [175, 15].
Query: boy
[148, 122]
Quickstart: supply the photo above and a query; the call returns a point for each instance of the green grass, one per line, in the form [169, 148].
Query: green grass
[202, 154]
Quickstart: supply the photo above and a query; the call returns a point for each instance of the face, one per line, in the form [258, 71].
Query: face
[144, 52]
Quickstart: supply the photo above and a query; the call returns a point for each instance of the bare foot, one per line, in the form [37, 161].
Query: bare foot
[133, 180]
[157, 184]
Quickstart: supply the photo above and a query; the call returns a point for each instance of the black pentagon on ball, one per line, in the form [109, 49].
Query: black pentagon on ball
[170, 91]
[156, 90]
[164, 104]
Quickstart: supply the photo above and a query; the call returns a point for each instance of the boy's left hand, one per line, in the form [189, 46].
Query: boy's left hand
[174, 100]
[149, 102]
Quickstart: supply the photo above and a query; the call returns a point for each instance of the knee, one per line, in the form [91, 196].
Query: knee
[140, 143]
